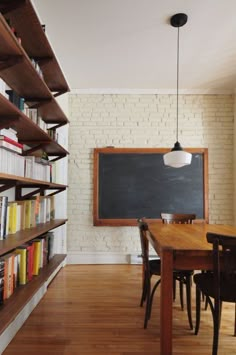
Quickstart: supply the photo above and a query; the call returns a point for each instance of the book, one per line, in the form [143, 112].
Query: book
[52, 207]
[3, 216]
[12, 217]
[8, 260]
[2, 266]
[10, 273]
[23, 264]
[10, 140]
[22, 203]
[16, 270]
[37, 256]
[6, 145]
[30, 260]
[27, 213]
[50, 245]
[9, 132]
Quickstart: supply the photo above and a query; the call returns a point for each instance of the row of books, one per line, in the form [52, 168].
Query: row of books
[19, 102]
[27, 166]
[23, 263]
[34, 115]
[20, 215]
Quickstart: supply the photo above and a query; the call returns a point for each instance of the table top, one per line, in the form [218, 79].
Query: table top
[186, 237]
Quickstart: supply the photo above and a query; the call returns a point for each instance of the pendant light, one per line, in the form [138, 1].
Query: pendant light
[177, 157]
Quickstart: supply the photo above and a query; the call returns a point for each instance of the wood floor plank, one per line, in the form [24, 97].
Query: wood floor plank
[94, 310]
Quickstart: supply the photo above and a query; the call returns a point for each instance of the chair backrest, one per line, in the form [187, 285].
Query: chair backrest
[181, 218]
[143, 229]
[224, 266]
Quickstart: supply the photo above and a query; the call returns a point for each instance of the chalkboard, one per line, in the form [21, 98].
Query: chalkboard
[134, 183]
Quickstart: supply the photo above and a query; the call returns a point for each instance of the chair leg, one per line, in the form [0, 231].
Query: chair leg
[216, 320]
[181, 294]
[144, 292]
[151, 298]
[235, 319]
[188, 297]
[174, 288]
[198, 310]
[146, 316]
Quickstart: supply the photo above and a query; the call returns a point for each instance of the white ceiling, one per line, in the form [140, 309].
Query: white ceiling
[129, 44]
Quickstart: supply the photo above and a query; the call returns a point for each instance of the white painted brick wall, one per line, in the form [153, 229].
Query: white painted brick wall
[142, 121]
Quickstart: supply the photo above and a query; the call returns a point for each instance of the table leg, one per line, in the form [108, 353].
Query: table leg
[166, 301]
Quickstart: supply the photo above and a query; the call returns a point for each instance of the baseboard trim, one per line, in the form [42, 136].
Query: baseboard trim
[97, 258]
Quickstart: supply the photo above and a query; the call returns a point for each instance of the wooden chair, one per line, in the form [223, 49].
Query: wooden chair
[153, 267]
[150, 268]
[183, 276]
[218, 285]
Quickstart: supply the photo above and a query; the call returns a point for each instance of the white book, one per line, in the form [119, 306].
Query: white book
[11, 147]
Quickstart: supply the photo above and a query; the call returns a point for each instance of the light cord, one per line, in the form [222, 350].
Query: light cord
[177, 96]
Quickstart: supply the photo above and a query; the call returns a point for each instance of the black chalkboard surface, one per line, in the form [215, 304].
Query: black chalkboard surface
[134, 183]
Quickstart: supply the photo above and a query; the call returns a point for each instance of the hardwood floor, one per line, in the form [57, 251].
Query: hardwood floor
[94, 310]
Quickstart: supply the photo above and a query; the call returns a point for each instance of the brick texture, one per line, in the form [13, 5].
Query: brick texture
[143, 121]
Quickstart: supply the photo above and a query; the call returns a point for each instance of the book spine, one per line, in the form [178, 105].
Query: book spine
[3, 216]
[23, 265]
[1, 280]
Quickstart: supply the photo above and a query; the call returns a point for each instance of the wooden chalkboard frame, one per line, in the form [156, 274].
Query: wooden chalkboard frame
[133, 222]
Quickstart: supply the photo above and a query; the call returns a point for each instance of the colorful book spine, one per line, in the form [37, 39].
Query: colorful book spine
[2, 266]
[37, 256]
[12, 217]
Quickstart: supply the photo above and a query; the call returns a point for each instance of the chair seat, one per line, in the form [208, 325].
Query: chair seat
[205, 281]
[155, 266]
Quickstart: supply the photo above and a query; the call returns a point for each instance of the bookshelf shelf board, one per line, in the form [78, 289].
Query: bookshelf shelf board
[11, 116]
[18, 72]
[36, 43]
[22, 295]
[19, 180]
[15, 240]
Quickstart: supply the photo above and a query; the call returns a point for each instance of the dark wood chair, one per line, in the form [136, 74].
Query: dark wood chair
[150, 268]
[218, 285]
[153, 267]
[183, 276]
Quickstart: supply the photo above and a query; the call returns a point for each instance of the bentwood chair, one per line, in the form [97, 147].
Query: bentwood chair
[150, 268]
[153, 267]
[218, 285]
[183, 276]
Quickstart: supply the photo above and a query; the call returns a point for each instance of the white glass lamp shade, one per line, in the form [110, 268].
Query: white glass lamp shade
[177, 157]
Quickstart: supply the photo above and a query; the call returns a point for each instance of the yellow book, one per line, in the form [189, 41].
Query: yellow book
[23, 265]
[27, 213]
[22, 222]
[37, 256]
[12, 217]
[32, 217]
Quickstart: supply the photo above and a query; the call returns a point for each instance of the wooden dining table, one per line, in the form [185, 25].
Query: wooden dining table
[180, 246]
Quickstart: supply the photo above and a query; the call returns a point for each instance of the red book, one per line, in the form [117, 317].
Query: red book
[9, 140]
[30, 259]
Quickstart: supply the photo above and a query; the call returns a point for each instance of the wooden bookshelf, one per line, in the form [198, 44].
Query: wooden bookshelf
[38, 91]
[23, 294]
[24, 18]
[15, 240]
[28, 132]
[19, 73]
